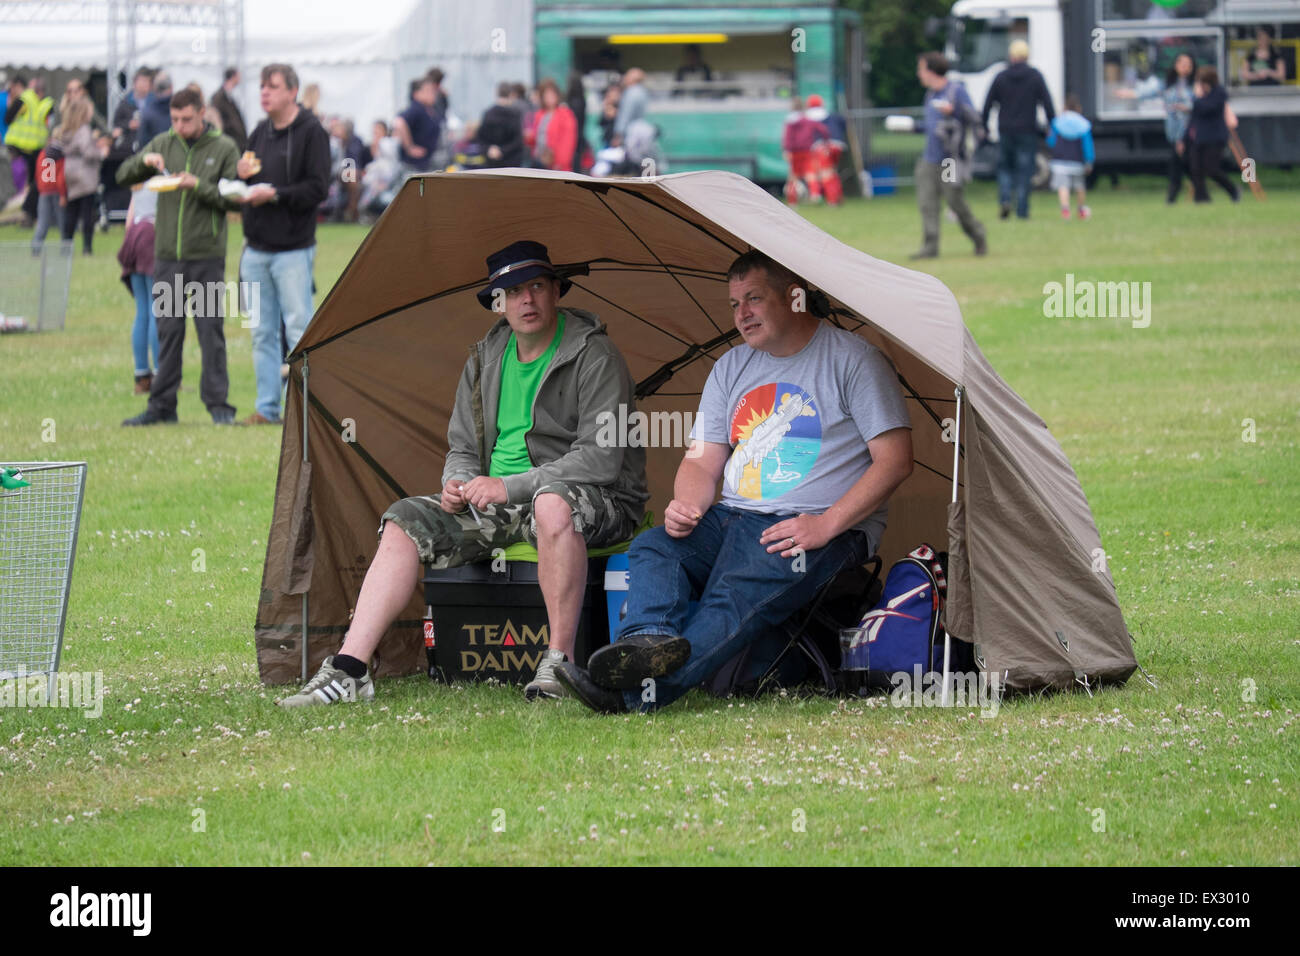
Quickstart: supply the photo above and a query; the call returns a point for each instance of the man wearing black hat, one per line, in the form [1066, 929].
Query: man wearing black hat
[524, 463]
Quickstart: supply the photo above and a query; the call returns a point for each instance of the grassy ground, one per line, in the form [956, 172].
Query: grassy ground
[191, 763]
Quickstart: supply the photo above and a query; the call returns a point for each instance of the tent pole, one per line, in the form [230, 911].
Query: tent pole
[956, 460]
[304, 459]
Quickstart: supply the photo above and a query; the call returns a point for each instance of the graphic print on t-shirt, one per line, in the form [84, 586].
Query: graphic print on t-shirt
[777, 433]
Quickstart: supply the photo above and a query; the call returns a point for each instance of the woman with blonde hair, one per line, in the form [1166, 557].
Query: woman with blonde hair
[82, 157]
[310, 99]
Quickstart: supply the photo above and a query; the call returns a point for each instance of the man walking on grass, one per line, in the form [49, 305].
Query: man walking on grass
[941, 168]
[1017, 92]
[289, 174]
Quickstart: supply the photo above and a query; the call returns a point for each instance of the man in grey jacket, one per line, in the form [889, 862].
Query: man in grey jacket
[525, 462]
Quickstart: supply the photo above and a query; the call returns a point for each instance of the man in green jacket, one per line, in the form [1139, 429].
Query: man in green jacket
[526, 461]
[189, 254]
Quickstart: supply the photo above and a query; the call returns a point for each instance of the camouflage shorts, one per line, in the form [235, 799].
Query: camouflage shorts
[448, 540]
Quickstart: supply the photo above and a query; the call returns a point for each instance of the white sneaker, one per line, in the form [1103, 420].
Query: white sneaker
[544, 682]
[330, 686]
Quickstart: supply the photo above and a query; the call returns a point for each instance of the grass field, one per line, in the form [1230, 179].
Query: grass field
[191, 763]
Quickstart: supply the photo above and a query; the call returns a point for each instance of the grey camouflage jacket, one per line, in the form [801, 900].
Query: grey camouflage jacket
[587, 376]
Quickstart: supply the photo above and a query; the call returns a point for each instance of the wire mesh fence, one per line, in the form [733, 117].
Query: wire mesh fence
[887, 155]
[38, 539]
[34, 285]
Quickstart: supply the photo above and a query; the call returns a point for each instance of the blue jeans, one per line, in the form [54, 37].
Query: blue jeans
[1016, 153]
[49, 215]
[743, 591]
[144, 333]
[279, 292]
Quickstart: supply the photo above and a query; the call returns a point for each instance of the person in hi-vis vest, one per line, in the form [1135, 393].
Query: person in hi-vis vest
[28, 117]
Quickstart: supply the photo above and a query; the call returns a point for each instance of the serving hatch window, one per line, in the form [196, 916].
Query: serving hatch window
[1149, 10]
[1136, 67]
[693, 68]
[1263, 58]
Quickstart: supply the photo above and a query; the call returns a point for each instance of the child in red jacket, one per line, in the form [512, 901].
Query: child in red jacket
[52, 192]
[797, 140]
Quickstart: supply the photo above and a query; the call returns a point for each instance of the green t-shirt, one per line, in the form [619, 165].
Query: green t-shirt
[519, 381]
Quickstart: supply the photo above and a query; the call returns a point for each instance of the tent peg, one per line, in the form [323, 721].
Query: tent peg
[1149, 679]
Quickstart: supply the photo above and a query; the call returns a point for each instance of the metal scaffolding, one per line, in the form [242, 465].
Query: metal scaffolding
[220, 21]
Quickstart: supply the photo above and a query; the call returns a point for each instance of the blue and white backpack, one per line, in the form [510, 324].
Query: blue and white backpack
[903, 630]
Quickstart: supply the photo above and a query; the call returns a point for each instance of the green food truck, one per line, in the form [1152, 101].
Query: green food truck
[721, 74]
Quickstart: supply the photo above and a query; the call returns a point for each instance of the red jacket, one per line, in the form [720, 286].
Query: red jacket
[561, 135]
[800, 134]
[47, 185]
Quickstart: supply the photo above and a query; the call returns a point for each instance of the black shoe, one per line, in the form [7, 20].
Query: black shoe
[150, 417]
[624, 664]
[580, 685]
[922, 254]
[1004, 211]
[981, 247]
[223, 416]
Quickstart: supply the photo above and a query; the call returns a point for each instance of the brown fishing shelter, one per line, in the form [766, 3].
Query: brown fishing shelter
[373, 380]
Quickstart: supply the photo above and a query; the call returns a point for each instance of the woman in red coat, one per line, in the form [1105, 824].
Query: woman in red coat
[553, 135]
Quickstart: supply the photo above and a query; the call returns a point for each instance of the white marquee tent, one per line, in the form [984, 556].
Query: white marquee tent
[362, 56]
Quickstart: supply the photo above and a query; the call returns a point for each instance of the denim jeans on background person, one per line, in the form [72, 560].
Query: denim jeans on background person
[49, 215]
[283, 294]
[144, 333]
[743, 591]
[1016, 153]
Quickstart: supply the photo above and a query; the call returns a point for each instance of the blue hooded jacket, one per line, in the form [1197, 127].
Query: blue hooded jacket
[1070, 139]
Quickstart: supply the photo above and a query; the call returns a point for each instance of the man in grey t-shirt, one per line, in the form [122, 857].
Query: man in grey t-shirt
[807, 429]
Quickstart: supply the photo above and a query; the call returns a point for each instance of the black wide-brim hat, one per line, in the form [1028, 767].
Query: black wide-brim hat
[516, 264]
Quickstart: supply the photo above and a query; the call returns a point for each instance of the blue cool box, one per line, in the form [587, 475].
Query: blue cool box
[615, 591]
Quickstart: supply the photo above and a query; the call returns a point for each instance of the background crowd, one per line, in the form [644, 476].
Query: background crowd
[542, 127]
[73, 168]
[66, 162]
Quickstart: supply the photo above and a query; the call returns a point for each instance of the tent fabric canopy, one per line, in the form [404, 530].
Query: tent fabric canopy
[649, 256]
